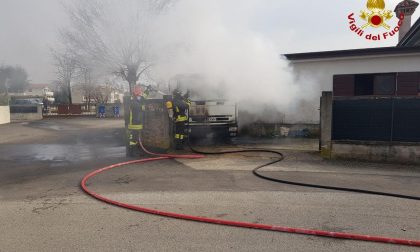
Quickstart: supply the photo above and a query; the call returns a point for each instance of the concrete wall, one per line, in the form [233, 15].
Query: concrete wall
[260, 129]
[315, 76]
[4, 114]
[396, 152]
[383, 152]
[15, 117]
[326, 124]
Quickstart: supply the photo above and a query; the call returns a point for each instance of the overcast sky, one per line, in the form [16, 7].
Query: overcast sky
[28, 28]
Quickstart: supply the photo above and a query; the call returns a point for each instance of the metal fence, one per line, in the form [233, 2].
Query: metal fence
[377, 119]
[65, 109]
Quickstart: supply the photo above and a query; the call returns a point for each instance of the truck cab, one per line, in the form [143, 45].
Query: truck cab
[213, 118]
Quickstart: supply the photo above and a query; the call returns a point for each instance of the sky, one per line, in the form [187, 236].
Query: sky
[29, 28]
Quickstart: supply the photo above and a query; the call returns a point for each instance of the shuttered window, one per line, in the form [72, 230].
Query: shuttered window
[408, 84]
[343, 85]
[389, 84]
[384, 84]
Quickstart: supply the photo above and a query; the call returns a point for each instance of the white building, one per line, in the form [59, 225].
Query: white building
[372, 111]
[40, 90]
[317, 71]
[96, 94]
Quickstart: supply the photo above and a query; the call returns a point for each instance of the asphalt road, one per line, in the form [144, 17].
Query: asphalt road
[43, 209]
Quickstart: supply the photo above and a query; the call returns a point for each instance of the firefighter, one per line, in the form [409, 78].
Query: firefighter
[136, 117]
[179, 107]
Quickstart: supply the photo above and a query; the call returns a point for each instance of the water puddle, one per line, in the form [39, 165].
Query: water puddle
[59, 152]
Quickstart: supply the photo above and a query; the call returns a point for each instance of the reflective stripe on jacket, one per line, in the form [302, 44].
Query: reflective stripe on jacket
[180, 108]
[181, 118]
[137, 109]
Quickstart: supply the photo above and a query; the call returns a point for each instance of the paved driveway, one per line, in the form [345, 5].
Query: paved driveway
[43, 209]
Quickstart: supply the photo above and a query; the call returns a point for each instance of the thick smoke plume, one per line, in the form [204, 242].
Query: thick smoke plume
[224, 49]
[219, 41]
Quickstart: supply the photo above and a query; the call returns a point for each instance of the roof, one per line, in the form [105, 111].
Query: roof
[354, 53]
[412, 38]
[409, 44]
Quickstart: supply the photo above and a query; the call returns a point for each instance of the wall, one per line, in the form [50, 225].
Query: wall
[4, 114]
[315, 76]
[381, 151]
[77, 95]
[35, 92]
[274, 130]
[27, 116]
[326, 124]
[157, 133]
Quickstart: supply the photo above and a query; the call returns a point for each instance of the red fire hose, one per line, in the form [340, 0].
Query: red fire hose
[339, 235]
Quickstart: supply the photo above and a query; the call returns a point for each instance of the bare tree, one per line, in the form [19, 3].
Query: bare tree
[60, 92]
[66, 67]
[102, 93]
[15, 77]
[4, 77]
[87, 84]
[112, 35]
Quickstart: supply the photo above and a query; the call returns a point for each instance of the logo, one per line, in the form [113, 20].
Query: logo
[375, 17]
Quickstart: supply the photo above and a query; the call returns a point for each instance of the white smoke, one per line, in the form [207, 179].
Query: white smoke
[218, 39]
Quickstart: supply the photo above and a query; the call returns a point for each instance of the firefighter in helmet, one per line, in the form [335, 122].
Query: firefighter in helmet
[179, 107]
[136, 117]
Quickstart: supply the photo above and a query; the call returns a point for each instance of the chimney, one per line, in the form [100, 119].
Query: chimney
[406, 7]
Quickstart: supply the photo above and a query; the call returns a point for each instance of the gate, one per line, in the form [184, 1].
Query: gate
[376, 119]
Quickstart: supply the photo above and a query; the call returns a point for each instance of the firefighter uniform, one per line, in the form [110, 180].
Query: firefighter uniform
[180, 107]
[136, 117]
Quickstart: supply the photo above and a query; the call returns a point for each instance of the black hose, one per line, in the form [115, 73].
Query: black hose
[281, 157]
[288, 182]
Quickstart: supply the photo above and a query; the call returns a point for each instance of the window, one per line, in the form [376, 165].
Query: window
[384, 84]
[363, 84]
[380, 84]
[408, 83]
[374, 84]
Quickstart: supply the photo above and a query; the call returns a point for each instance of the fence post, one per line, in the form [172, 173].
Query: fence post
[326, 105]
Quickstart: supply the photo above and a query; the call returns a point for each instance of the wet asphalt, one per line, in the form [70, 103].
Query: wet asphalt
[71, 147]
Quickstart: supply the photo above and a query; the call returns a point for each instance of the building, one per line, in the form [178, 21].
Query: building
[319, 68]
[40, 90]
[373, 109]
[96, 94]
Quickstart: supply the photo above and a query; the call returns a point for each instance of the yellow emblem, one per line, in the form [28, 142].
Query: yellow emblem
[376, 15]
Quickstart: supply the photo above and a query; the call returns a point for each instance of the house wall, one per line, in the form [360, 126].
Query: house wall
[35, 92]
[315, 76]
[4, 114]
[76, 95]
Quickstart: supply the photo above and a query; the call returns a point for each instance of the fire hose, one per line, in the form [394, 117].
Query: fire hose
[339, 235]
[256, 172]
